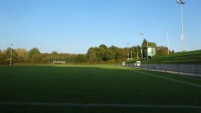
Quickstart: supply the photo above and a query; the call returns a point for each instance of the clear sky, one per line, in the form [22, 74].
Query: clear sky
[73, 26]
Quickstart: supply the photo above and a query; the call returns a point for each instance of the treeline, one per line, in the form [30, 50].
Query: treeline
[94, 55]
[34, 56]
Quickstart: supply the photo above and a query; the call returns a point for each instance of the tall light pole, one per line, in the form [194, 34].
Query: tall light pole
[11, 54]
[147, 49]
[181, 2]
[128, 51]
[168, 43]
[131, 53]
[141, 45]
[147, 46]
[137, 52]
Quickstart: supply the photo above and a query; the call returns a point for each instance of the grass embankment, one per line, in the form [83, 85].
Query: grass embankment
[191, 57]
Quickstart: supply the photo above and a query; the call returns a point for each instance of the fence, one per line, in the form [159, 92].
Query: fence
[183, 69]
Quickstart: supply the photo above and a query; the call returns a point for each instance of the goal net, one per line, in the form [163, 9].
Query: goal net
[59, 62]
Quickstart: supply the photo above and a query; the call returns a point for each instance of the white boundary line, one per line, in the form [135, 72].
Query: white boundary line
[184, 82]
[13, 70]
[99, 105]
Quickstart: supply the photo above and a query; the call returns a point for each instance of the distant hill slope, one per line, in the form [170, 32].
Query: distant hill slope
[191, 57]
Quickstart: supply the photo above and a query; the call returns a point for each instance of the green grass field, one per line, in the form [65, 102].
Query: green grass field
[96, 89]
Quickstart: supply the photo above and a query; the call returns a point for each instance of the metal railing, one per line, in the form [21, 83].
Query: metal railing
[183, 69]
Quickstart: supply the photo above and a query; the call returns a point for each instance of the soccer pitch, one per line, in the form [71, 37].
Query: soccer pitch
[96, 89]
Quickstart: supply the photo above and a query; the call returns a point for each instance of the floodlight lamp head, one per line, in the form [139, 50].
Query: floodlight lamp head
[180, 2]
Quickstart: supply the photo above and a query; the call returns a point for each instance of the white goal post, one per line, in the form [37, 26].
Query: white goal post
[59, 62]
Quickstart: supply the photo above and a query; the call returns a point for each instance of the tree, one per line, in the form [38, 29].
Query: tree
[54, 55]
[33, 52]
[102, 52]
[91, 54]
[46, 58]
[22, 55]
[162, 51]
[2, 58]
[135, 53]
[37, 58]
[81, 58]
[115, 52]
[118, 53]
[7, 55]
[150, 44]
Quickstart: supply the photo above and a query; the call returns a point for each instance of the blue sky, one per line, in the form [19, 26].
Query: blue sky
[73, 26]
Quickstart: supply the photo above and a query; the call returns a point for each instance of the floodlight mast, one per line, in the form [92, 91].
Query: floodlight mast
[11, 54]
[181, 2]
[168, 43]
[128, 51]
[141, 46]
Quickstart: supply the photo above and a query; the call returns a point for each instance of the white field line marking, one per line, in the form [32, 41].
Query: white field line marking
[13, 70]
[99, 105]
[189, 83]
